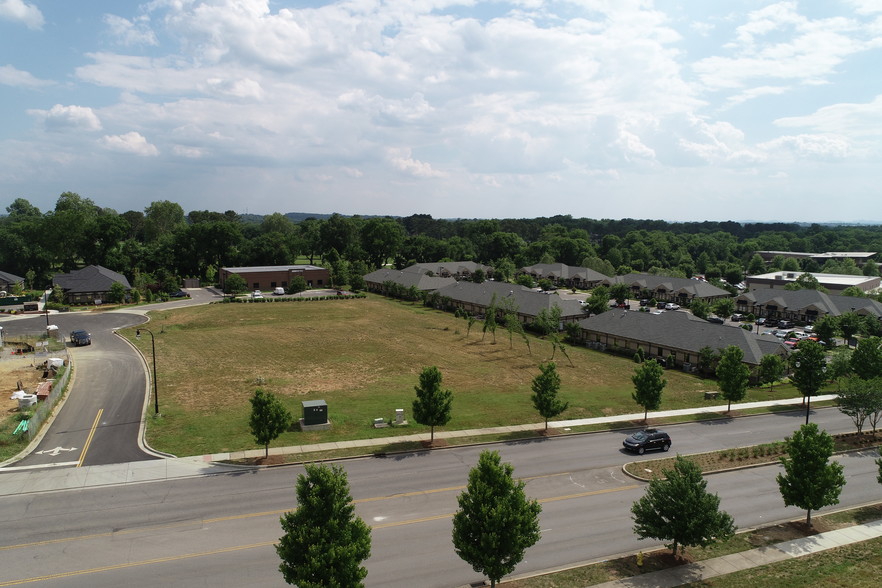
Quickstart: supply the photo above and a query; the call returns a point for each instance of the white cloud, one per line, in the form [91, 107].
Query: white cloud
[19, 11]
[131, 142]
[129, 32]
[856, 120]
[817, 147]
[10, 76]
[401, 160]
[68, 118]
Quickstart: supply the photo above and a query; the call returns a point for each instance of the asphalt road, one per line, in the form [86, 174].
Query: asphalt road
[220, 530]
[101, 418]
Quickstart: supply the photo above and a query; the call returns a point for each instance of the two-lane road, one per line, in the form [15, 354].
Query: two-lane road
[220, 530]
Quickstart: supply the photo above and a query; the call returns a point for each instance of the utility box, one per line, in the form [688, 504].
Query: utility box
[315, 412]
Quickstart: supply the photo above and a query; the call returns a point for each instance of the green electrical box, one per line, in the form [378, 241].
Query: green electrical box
[315, 412]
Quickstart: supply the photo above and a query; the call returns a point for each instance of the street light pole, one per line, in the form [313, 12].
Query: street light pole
[153, 349]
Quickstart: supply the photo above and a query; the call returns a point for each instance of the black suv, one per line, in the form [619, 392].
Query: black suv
[646, 439]
[80, 337]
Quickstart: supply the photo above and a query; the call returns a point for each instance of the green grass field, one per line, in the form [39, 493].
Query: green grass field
[363, 357]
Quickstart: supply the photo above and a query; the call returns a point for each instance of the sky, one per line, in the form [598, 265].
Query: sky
[682, 110]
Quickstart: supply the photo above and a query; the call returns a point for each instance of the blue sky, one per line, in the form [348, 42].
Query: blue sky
[695, 110]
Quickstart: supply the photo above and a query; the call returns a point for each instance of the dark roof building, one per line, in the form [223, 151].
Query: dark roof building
[559, 273]
[376, 281]
[675, 337]
[803, 305]
[680, 290]
[7, 280]
[90, 284]
[452, 269]
[476, 298]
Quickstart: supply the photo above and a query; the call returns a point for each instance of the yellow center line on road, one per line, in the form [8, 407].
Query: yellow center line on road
[134, 564]
[89, 438]
[172, 558]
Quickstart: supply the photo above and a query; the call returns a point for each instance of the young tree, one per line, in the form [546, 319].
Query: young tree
[849, 324]
[269, 418]
[619, 292]
[598, 302]
[324, 542]
[809, 365]
[490, 319]
[545, 388]
[826, 328]
[706, 358]
[678, 508]
[866, 360]
[810, 481]
[860, 400]
[495, 523]
[839, 365]
[699, 308]
[733, 375]
[432, 404]
[648, 386]
[298, 284]
[771, 369]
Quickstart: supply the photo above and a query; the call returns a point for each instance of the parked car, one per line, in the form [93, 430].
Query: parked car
[179, 294]
[278, 291]
[761, 321]
[257, 294]
[660, 305]
[644, 302]
[80, 338]
[808, 328]
[737, 317]
[770, 322]
[785, 324]
[715, 319]
[647, 439]
[672, 306]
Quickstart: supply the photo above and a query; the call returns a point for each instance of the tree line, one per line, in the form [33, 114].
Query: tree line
[162, 244]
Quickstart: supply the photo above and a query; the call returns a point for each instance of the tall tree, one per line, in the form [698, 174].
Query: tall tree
[324, 543]
[545, 388]
[432, 404]
[699, 308]
[826, 328]
[849, 325]
[733, 375]
[866, 360]
[619, 292]
[771, 369]
[809, 367]
[648, 386]
[724, 307]
[810, 481]
[678, 508]
[495, 523]
[162, 217]
[269, 418]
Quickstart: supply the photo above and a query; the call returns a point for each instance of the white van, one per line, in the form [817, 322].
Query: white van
[279, 291]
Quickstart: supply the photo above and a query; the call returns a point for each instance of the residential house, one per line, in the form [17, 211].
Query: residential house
[565, 275]
[666, 289]
[676, 338]
[90, 285]
[805, 306]
[7, 281]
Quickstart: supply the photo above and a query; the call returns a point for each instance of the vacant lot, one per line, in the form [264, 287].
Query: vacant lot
[363, 357]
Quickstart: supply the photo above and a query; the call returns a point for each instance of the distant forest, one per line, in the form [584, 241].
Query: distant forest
[162, 244]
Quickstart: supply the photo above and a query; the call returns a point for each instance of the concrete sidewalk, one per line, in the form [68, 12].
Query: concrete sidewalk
[727, 564]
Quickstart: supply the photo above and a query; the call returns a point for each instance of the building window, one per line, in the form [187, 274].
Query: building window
[256, 285]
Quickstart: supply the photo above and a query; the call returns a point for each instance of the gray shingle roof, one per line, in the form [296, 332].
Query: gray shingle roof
[92, 278]
[408, 278]
[682, 330]
[794, 300]
[8, 278]
[529, 302]
[564, 272]
[451, 267]
[696, 288]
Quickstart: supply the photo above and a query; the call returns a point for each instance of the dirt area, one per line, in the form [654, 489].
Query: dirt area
[14, 369]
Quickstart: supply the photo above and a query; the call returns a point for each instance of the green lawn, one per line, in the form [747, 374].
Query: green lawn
[363, 357]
